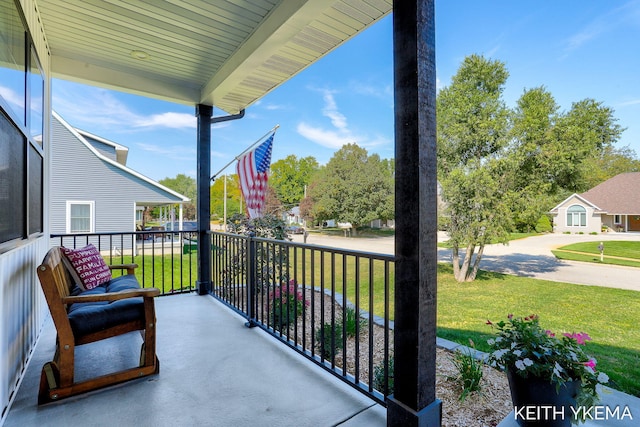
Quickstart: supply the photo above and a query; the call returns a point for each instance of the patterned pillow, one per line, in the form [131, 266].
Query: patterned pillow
[86, 266]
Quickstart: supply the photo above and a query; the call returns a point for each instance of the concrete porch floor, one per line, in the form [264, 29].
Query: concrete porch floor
[213, 372]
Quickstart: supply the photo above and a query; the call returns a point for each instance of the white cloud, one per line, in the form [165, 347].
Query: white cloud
[627, 14]
[330, 110]
[324, 137]
[339, 133]
[12, 97]
[169, 120]
[628, 103]
[90, 107]
[273, 107]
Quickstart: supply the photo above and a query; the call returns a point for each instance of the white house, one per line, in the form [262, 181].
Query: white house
[611, 205]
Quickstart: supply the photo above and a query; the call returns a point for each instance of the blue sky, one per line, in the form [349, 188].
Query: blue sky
[575, 48]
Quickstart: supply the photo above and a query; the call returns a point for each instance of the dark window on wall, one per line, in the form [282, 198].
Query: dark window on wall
[36, 99]
[13, 48]
[12, 189]
[35, 191]
[22, 89]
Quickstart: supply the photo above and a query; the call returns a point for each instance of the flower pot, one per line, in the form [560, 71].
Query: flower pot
[537, 402]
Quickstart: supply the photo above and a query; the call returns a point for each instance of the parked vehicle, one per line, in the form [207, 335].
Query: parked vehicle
[294, 229]
[191, 226]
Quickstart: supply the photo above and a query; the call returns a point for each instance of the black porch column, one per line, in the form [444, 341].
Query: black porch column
[204, 113]
[414, 401]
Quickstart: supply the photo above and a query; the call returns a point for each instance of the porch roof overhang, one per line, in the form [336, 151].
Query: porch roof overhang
[227, 53]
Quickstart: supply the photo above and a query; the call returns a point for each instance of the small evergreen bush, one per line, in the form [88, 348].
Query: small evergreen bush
[353, 322]
[543, 225]
[378, 376]
[329, 340]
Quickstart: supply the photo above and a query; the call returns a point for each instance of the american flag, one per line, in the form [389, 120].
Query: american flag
[253, 170]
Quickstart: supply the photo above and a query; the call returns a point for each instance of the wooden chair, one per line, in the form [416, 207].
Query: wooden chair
[116, 317]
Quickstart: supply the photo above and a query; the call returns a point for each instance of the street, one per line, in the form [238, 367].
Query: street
[529, 257]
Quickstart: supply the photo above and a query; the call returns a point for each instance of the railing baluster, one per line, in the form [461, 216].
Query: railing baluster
[357, 314]
[313, 269]
[386, 327]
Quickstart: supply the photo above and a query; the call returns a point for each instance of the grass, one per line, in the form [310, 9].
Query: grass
[608, 315]
[167, 273]
[317, 272]
[615, 252]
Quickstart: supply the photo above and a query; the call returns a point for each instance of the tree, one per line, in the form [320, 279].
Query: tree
[233, 196]
[184, 185]
[608, 163]
[272, 204]
[472, 134]
[290, 176]
[500, 168]
[531, 154]
[353, 187]
[549, 151]
[586, 130]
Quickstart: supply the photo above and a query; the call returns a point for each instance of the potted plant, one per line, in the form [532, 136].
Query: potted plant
[551, 378]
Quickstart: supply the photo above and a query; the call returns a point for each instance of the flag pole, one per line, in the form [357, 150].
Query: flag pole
[273, 129]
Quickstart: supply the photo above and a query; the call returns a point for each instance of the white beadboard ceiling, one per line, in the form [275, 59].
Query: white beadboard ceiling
[226, 53]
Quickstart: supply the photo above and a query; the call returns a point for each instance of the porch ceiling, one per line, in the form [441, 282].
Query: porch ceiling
[226, 53]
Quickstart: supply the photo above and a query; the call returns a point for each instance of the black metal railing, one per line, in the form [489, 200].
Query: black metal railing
[333, 306]
[330, 305]
[166, 260]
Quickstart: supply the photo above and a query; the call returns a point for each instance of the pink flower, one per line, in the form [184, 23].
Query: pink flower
[549, 333]
[510, 316]
[591, 364]
[580, 338]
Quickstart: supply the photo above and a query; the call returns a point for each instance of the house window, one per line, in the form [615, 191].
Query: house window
[617, 219]
[576, 216]
[80, 217]
[22, 94]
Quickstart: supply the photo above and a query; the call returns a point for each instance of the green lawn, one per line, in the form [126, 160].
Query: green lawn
[615, 252]
[609, 316]
[167, 273]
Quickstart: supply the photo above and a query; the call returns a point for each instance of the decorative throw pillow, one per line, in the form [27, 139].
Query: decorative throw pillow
[87, 267]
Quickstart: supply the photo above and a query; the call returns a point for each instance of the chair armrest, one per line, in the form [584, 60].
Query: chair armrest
[113, 296]
[129, 267]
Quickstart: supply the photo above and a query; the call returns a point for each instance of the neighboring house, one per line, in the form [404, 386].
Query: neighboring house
[92, 189]
[614, 204]
[293, 216]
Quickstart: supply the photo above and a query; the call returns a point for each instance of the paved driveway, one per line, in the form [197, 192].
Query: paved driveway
[530, 257]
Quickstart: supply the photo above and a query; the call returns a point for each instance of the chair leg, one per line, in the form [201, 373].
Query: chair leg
[49, 380]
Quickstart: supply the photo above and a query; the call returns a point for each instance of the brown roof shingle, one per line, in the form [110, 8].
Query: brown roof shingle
[619, 195]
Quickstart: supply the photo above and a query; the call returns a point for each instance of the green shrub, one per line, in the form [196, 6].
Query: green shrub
[287, 305]
[353, 322]
[378, 376]
[543, 225]
[329, 340]
[469, 372]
